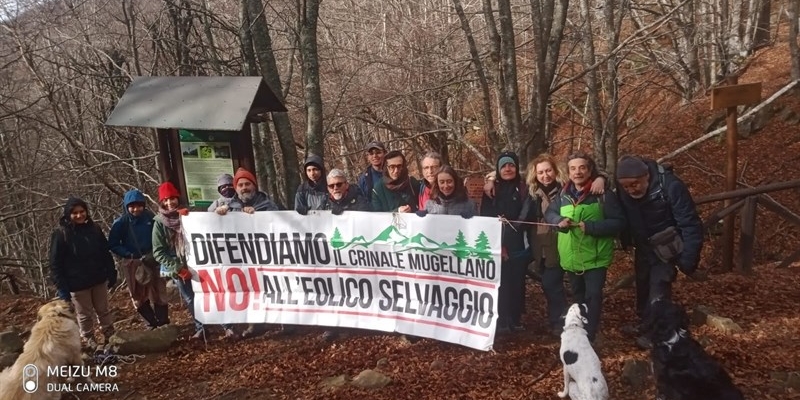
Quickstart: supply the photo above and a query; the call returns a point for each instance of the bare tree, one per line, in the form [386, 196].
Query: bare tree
[794, 13]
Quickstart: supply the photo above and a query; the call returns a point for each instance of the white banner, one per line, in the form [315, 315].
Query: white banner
[434, 276]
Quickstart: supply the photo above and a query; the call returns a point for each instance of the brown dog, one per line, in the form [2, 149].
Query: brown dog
[55, 341]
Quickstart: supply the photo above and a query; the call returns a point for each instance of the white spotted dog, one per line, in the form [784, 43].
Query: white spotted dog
[583, 376]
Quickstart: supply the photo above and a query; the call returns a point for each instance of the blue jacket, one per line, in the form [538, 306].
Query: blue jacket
[367, 181]
[132, 237]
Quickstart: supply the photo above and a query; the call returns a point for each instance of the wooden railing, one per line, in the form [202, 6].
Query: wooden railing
[748, 200]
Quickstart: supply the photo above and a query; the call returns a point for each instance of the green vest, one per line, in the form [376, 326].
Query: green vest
[578, 251]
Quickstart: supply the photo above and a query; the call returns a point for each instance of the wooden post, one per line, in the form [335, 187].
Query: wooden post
[730, 97]
[747, 235]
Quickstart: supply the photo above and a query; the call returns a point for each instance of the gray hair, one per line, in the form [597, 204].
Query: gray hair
[336, 173]
[434, 155]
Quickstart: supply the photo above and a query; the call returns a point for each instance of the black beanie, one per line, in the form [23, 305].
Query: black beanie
[631, 167]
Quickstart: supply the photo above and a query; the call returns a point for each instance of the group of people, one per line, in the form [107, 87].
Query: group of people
[555, 223]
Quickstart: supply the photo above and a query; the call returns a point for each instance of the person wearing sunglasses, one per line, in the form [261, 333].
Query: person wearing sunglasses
[342, 197]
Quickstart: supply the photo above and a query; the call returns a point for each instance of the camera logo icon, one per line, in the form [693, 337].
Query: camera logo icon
[30, 378]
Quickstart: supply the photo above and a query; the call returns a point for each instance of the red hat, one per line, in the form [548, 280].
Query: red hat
[243, 173]
[167, 191]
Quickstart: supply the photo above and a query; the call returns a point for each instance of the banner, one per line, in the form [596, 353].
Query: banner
[434, 276]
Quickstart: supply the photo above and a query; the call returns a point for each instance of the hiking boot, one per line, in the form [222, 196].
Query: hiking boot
[199, 335]
[89, 343]
[516, 327]
[148, 314]
[644, 343]
[230, 334]
[329, 335]
[632, 330]
[162, 314]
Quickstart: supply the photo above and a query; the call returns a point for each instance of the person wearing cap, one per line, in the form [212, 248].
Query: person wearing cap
[657, 205]
[131, 239]
[311, 194]
[247, 198]
[509, 202]
[169, 249]
[397, 191]
[226, 192]
[374, 172]
[587, 224]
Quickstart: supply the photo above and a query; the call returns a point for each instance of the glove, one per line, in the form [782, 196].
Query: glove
[112, 279]
[185, 274]
[421, 213]
[466, 214]
[183, 211]
[302, 211]
[337, 210]
[64, 294]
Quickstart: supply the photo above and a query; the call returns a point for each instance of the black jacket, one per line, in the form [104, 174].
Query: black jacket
[660, 208]
[79, 254]
[510, 202]
[353, 200]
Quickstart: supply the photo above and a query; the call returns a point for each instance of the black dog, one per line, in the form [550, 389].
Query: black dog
[683, 370]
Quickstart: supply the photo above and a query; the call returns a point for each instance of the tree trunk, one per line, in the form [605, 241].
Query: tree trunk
[548, 19]
[486, 95]
[611, 86]
[269, 70]
[311, 88]
[794, 26]
[764, 26]
[592, 84]
[508, 65]
[263, 150]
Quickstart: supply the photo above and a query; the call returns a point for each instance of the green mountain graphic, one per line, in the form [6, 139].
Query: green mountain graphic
[419, 242]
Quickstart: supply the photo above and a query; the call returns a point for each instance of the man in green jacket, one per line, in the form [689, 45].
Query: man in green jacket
[587, 225]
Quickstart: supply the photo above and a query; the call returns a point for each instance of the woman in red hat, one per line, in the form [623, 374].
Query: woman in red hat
[169, 249]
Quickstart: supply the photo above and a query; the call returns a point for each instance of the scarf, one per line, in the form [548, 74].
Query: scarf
[172, 220]
[399, 184]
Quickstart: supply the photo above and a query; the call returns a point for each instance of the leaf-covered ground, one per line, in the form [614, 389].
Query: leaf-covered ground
[523, 366]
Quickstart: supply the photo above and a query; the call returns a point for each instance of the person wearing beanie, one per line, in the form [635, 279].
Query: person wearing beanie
[226, 192]
[587, 225]
[511, 195]
[169, 249]
[247, 198]
[83, 270]
[662, 225]
[312, 193]
[131, 239]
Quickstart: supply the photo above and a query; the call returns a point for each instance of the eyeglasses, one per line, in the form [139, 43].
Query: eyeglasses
[336, 185]
[394, 167]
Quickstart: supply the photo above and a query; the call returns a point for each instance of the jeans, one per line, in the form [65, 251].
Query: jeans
[653, 279]
[587, 288]
[553, 287]
[187, 293]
